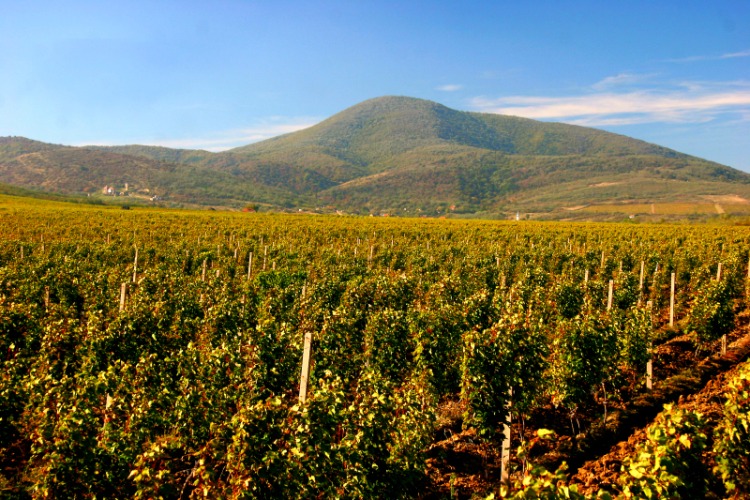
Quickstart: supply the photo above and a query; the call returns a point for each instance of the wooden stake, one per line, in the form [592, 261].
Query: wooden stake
[718, 272]
[305, 374]
[46, 298]
[249, 265]
[723, 345]
[135, 266]
[671, 302]
[203, 273]
[609, 297]
[123, 295]
[586, 276]
[505, 457]
[650, 364]
[643, 270]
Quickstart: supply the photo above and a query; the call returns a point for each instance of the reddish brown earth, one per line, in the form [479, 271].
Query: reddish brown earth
[461, 465]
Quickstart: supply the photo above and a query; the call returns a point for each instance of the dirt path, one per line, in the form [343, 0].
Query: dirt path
[719, 209]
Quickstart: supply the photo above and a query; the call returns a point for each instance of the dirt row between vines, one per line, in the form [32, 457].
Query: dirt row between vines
[461, 465]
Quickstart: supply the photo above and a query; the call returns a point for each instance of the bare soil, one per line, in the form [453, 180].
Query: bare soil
[461, 465]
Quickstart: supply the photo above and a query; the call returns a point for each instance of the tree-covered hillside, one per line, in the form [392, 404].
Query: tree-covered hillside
[391, 154]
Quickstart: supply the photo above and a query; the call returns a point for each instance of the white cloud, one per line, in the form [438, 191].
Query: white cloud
[732, 55]
[620, 80]
[228, 139]
[729, 55]
[453, 87]
[684, 104]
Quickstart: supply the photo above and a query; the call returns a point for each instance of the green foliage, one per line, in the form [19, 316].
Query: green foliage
[502, 368]
[667, 464]
[712, 314]
[585, 350]
[537, 483]
[732, 435]
[191, 388]
[569, 299]
[636, 339]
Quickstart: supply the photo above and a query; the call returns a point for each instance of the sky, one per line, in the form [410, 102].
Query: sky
[220, 74]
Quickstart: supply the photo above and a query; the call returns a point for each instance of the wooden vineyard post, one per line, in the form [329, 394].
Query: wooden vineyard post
[135, 265]
[123, 295]
[609, 296]
[671, 302]
[650, 363]
[643, 275]
[46, 298]
[586, 276]
[265, 254]
[505, 458]
[203, 272]
[249, 265]
[372, 251]
[305, 374]
[723, 337]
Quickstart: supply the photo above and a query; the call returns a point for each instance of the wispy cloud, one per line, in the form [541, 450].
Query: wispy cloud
[622, 79]
[453, 87]
[729, 55]
[732, 55]
[678, 104]
[227, 139]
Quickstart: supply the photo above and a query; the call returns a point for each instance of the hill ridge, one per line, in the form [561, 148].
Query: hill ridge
[394, 154]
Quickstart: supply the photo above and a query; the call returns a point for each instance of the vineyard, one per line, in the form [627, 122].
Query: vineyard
[159, 354]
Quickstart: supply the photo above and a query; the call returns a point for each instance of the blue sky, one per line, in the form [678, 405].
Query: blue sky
[220, 74]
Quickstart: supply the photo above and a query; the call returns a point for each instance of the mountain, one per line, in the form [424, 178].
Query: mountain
[393, 154]
[80, 170]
